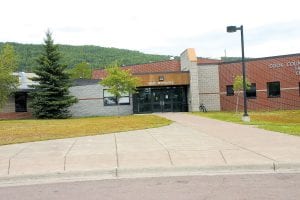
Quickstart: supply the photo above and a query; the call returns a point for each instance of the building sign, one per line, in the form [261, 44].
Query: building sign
[152, 83]
[164, 79]
[294, 64]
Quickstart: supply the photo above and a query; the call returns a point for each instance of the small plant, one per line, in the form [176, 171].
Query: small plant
[238, 89]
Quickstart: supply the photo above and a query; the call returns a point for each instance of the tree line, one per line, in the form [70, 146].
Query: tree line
[95, 56]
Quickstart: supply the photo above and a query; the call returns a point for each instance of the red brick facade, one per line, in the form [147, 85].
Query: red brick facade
[285, 69]
[207, 60]
[16, 115]
[162, 66]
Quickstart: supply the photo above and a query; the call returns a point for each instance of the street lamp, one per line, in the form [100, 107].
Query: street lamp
[231, 29]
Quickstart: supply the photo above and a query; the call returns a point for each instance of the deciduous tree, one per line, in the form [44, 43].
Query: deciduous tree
[238, 88]
[8, 64]
[119, 82]
[81, 70]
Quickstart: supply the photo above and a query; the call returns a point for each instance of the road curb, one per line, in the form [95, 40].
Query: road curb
[120, 173]
[285, 166]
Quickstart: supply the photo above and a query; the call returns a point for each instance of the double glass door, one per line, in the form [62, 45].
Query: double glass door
[160, 99]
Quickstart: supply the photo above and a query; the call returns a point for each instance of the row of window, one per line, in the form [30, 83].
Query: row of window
[273, 90]
[111, 100]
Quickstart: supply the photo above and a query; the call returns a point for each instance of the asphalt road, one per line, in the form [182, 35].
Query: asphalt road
[251, 186]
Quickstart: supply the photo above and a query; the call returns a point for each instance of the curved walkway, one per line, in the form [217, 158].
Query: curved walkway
[190, 145]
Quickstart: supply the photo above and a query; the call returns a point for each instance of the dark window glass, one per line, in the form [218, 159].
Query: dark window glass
[273, 89]
[229, 90]
[110, 100]
[142, 101]
[21, 102]
[251, 92]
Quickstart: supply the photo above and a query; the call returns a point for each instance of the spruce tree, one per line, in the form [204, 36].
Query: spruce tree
[51, 98]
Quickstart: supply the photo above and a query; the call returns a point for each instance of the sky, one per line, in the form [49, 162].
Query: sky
[158, 26]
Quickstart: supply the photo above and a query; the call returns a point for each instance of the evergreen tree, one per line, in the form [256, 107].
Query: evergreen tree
[50, 98]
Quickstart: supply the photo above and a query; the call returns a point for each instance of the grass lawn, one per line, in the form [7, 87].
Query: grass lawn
[287, 121]
[19, 131]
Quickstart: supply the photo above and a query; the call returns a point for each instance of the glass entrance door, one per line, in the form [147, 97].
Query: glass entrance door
[157, 101]
[167, 101]
[160, 99]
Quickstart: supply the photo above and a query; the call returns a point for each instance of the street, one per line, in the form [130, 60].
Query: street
[246, 186]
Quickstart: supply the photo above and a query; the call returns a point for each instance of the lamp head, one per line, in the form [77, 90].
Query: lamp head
[231, 29]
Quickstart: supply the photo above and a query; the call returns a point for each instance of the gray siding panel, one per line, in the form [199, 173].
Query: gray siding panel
[91, 103]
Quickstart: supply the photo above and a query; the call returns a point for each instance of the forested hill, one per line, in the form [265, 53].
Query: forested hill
[97, 57]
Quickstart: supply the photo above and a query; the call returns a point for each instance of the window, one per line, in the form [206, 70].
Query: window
[251, 92]
[124, 100]
[111, 100]
[229, 90]
[273, 89]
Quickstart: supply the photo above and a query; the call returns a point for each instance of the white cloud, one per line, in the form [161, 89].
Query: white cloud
[157, 26]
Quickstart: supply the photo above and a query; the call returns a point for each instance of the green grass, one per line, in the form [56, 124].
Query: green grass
[19, 131]
[287, 121]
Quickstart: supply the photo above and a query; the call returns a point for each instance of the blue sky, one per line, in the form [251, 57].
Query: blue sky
[158, 26]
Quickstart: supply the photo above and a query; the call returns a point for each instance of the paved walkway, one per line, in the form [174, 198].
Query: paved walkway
[190, 144]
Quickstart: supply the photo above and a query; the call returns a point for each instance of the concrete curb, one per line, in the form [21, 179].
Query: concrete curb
[120, 173]
[285, 166]
[32, 179]
[208, 170]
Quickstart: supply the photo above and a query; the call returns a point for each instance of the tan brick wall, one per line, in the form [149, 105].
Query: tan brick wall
[188, 62]
[208, 76]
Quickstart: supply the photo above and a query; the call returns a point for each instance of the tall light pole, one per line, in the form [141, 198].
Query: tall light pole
[231, 29]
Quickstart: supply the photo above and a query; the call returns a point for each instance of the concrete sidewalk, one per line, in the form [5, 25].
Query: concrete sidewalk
[191, 145]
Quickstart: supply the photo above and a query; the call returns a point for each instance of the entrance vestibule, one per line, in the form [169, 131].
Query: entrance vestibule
[160, 99]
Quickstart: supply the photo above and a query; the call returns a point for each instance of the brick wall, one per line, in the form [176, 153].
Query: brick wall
[15, 115]
[261, 71]
[8, 111]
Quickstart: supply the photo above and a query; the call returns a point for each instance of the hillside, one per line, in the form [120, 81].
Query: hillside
[97, 57]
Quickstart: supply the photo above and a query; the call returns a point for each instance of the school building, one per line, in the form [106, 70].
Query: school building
[183, 85]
